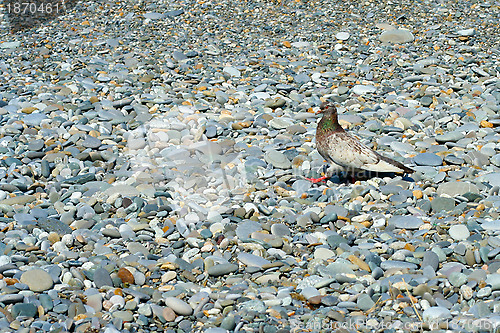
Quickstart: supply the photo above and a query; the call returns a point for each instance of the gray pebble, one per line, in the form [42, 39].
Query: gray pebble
[428, 159]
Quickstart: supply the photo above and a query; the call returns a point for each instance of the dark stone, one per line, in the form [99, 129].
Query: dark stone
[80, 179]
[50, 224]
[24, 310]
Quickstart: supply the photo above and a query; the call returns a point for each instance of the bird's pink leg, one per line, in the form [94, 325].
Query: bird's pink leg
[317, 180]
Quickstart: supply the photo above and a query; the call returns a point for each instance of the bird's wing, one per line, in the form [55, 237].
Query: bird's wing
[345, 150]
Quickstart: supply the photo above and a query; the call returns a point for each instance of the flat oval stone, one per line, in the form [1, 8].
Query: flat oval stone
[124, 190]
[91, 142]
[457, 279]
[252, 259]
[36, 145]
[360, 89]
[455, 188]
[34, 119]
[37, 279]
[179, 56]
[126, 316]
[428, 159]
[179, 306]
[406, 222]
[402, 147]
[253, 305]
[18, 200]
[459, 232]
[442, 204]
[280, 122]
[168, 314]
[491, 225]
[426, 101]
[135, 247]
[60, 308]
[332, 217]
[222, 269]
[153, 15]
[277, 159]
[95, 301]
[492, 178]
[449, 137]
[396, 36]
[343, 35]
[495, 159]
[323, 253]
[245, 228]
[232, 71]
[436, 313]
[388, 264]
[466, 32]
[452, 159]
[24, 310]
[11, 298]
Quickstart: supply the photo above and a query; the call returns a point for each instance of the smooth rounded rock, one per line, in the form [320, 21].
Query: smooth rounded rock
[179, 306]
[102, 278]
[494, 281]
[442, 204]
[362, 89]
[24, 310]
[277, 159]
[457, 279]
[169, 314]
[428, 159]
[430, 259]
[396, 36]
[222, 269]
[459, 232]
[449, 137]
[406, 222]
[389, 264]
[250, 259]
[343, 35]
[323, 253]
[364, 302]
[246, 228]
[37, 280]
[436, 313]
[280, 230]
[454, 188]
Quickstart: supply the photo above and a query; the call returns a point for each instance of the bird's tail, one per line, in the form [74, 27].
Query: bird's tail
[397, 164]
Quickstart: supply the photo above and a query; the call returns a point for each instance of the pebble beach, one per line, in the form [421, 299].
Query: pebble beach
[153, 157]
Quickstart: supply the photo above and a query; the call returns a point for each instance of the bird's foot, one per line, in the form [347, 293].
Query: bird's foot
[317, 180]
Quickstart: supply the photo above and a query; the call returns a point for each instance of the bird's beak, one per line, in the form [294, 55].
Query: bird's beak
[318, 111]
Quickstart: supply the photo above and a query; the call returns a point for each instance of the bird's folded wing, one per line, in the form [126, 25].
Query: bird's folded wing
[348, 152]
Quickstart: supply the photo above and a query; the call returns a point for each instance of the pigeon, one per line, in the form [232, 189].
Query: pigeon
[341, 148]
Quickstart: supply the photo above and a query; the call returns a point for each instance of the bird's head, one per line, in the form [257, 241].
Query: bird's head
[327, 108]
[329, 121]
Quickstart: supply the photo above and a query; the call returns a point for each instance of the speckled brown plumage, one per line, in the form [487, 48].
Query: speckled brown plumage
[341, 148]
